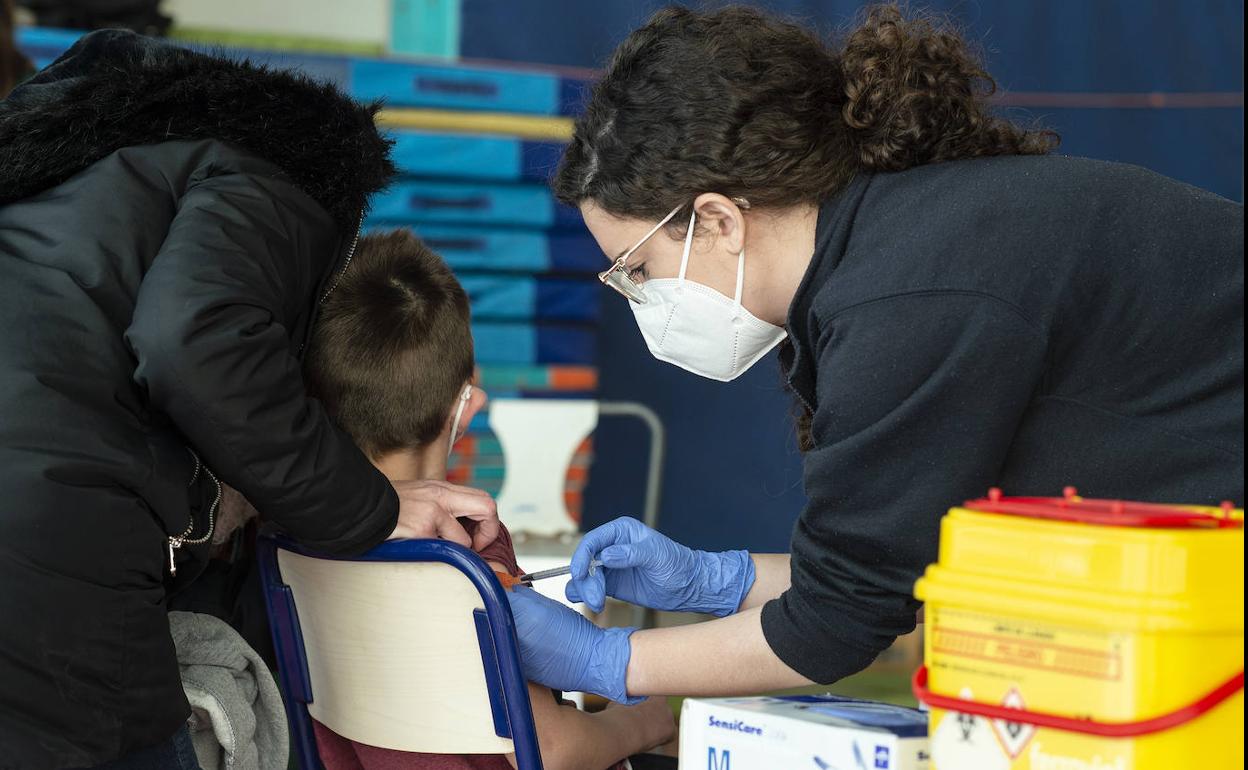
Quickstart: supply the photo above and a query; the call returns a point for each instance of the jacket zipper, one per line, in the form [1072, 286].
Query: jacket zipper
[185, 538]
[350, 255]
[336, 280]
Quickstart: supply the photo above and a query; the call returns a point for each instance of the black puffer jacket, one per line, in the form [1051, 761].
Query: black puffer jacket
[168, 223]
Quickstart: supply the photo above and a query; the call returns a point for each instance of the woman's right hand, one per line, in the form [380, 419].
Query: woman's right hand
[642, 566]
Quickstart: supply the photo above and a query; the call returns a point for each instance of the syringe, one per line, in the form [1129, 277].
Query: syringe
[556, 572]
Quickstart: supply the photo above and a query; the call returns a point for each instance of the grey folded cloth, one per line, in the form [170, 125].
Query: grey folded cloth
[237, 719]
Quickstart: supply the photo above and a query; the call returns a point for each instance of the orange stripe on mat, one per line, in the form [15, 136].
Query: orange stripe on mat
[574, 378]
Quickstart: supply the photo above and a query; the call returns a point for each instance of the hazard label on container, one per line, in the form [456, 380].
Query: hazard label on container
[965, 742]
[1013, 736]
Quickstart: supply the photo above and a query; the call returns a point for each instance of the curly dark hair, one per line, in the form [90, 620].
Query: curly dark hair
[737, 102]
[740, 103]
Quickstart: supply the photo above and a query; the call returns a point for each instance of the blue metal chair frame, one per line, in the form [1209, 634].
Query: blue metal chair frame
[496, 634]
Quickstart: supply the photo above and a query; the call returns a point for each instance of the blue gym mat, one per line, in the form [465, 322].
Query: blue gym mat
[472, 156]
[415, 202]
[524, 343]
[467, 247]
[400, 83]
[511, 297]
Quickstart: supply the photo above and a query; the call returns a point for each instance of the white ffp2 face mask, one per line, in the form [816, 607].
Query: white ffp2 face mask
[692, 326]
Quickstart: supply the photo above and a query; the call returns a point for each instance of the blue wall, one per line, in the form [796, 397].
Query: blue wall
[733, 477]
[1041, 49]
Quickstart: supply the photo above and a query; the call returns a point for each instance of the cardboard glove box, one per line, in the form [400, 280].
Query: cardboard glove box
[803, 732]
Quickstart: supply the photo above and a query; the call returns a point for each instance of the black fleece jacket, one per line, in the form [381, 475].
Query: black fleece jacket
[168, 222]
[1025, 322]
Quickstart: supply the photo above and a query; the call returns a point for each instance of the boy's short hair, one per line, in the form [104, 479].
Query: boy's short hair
[392, 348]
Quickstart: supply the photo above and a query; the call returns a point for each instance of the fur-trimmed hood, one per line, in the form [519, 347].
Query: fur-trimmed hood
[115, 89]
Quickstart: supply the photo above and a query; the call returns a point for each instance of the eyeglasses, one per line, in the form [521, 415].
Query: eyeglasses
[617, 276]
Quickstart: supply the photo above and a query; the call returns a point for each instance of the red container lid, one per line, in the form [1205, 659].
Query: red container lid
[1105, 513]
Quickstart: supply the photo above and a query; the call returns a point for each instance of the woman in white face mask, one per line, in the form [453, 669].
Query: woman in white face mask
[699, 318]
[961, 311]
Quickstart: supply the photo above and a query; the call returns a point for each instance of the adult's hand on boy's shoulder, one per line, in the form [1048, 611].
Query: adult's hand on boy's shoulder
[429, 509]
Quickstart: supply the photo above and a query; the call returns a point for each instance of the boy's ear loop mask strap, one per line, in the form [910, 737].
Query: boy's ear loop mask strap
[464, 398]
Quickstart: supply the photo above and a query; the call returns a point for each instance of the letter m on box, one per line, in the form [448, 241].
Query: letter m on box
[717, 761]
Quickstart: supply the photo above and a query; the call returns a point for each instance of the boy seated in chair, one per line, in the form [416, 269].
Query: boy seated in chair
[391, 361]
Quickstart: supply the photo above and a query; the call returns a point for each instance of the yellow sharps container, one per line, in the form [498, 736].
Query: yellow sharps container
[1072, 634]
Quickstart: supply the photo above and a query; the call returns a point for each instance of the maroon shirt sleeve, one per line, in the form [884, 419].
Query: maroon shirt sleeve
[501, 550]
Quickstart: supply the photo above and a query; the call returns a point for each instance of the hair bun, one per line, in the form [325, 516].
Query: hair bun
[916, 94]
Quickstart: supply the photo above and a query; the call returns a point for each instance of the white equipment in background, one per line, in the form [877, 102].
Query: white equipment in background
[539, 438]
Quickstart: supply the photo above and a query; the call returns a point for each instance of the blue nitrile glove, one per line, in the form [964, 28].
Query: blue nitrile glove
[644, 567]
[560, 648]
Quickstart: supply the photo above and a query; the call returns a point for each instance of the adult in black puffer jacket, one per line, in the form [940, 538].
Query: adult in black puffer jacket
[168, 221]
